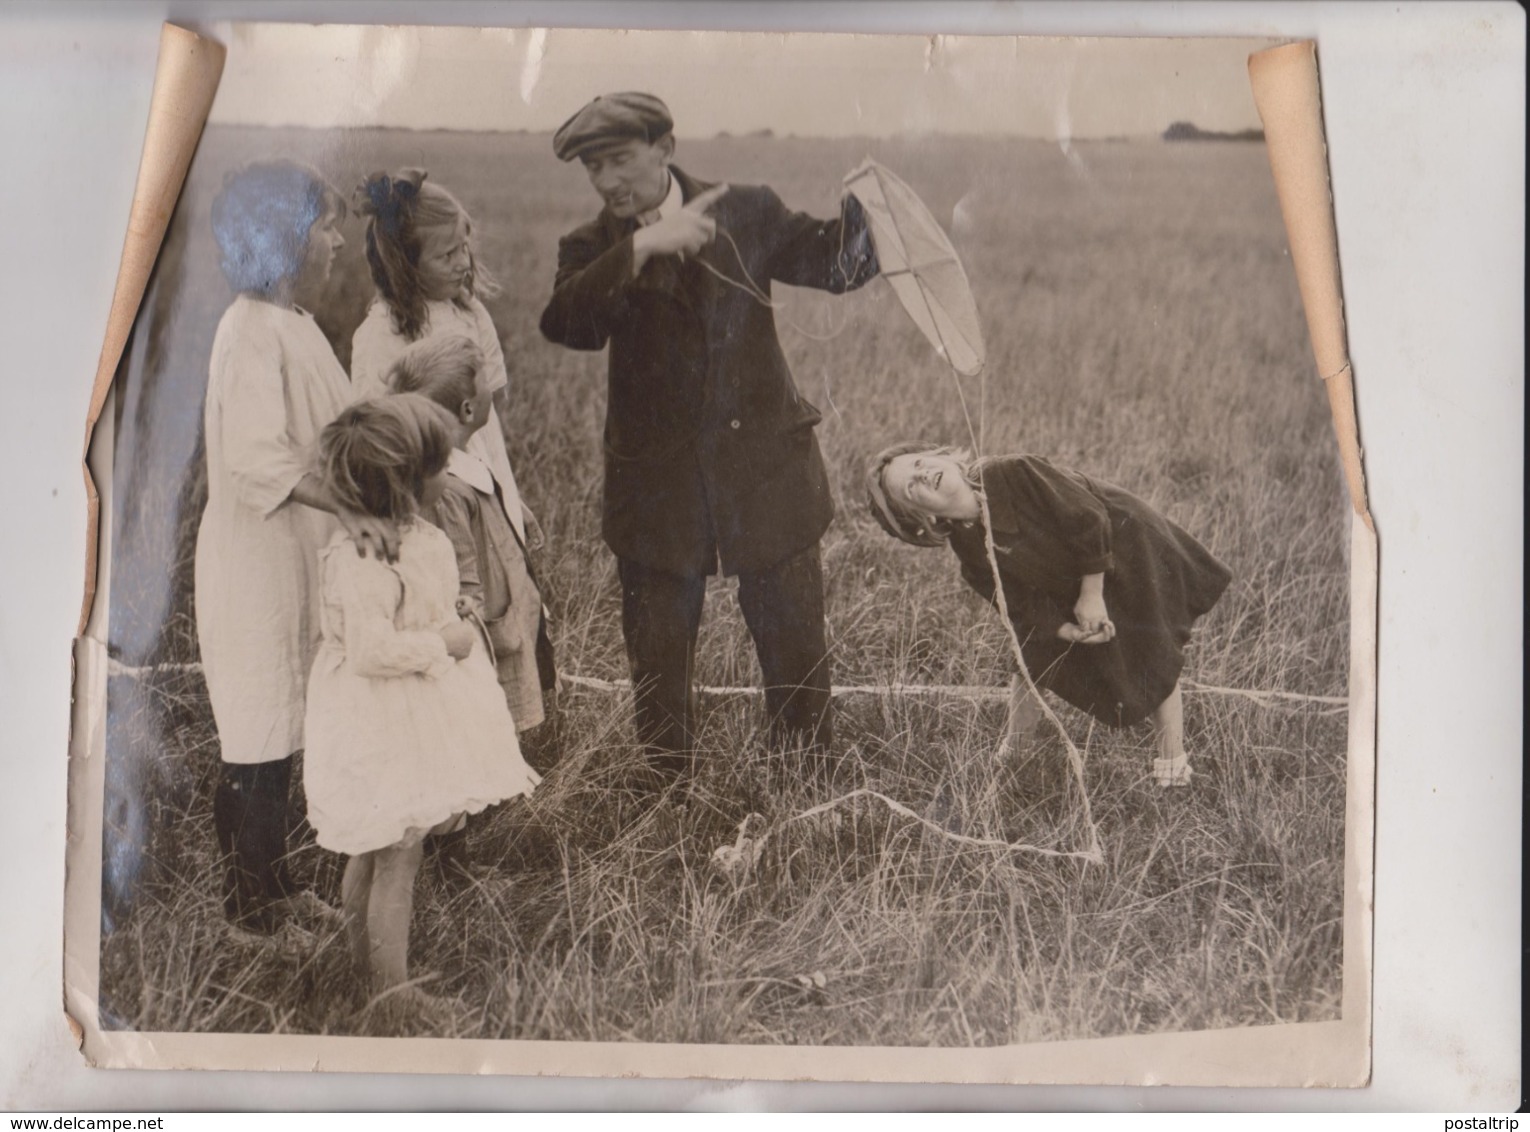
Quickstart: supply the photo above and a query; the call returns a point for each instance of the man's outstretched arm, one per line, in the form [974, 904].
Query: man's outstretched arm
[829, 255]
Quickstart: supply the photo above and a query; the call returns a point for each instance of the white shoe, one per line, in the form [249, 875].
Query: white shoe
[1172, 772]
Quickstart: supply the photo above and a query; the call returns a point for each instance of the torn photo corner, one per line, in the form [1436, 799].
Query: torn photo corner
[636, 568]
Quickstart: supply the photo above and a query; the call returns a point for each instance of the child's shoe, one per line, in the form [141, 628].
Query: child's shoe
[1172, 772]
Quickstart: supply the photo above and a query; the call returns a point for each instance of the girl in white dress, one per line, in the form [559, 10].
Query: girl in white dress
[419, 244]
[406, 726]
[273, 384]
[430, 287]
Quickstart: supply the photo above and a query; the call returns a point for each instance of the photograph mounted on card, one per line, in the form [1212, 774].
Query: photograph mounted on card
[710, 554]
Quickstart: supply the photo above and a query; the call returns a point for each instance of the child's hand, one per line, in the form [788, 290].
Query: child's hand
[1090, 613]
[464, 607]
[1076, 634]
[459, 639]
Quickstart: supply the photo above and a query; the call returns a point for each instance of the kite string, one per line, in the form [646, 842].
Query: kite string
[1095, 852]
[961, 838]
[1264, 697]
[761, 296]
[977, 435]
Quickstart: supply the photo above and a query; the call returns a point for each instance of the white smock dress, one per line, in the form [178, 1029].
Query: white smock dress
[376, 346]
[273, 385]
[401, 737]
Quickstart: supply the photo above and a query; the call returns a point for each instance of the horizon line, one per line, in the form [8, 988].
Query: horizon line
[766, 133]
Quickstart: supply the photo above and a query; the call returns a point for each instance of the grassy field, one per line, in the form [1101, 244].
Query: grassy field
[1143, 325]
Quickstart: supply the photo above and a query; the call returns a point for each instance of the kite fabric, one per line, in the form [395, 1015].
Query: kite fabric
[921, 265]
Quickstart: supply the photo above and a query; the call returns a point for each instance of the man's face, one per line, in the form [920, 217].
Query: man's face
[630, 175]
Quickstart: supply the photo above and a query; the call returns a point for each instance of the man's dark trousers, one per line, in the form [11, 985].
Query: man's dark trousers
[784, 610]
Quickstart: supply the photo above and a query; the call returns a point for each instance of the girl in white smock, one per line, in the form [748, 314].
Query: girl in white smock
[273, 384]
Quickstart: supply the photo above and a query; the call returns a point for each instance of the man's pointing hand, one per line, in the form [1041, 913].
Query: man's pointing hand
[682, 234]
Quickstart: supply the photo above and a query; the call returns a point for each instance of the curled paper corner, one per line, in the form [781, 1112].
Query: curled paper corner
[185, 81]
[82, 845]
[1287, 94]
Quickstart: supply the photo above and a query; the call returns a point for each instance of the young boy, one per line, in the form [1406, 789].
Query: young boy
[498, 590]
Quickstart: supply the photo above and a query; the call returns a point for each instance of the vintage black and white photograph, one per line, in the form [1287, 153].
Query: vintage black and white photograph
[725, 540]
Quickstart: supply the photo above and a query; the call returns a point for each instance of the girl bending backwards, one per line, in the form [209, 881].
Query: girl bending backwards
[498, 590]
[1102, 589]
[406, 726]
[429, 285]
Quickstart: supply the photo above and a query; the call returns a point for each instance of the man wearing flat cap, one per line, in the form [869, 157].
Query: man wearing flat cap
[710, 458]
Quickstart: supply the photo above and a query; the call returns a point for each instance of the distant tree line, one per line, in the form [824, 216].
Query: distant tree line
[1189, 131]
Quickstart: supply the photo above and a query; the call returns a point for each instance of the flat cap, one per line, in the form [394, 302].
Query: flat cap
[612, 117]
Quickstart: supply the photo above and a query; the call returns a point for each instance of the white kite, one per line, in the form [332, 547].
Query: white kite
[917, 259]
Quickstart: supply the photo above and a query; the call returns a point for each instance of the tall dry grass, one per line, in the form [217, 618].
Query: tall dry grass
[1142, 325]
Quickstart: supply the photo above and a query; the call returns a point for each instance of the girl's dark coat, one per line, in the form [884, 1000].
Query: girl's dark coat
[1051, 526]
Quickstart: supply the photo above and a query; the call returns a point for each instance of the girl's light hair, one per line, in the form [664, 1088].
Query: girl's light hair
[261, 219]
[897, 516]
[399, 207]
[444, 369]
[377, 454]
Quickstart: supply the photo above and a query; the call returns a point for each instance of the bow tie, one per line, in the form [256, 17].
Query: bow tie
[646, 218]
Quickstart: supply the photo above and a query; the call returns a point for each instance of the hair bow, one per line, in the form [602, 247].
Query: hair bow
[385, 196]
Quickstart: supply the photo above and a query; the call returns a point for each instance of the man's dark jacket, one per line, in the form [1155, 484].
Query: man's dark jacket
[709, 447]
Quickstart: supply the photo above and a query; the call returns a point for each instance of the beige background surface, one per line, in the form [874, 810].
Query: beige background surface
[1437, 360]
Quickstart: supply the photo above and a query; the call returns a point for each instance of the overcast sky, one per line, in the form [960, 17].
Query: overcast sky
[806, 84]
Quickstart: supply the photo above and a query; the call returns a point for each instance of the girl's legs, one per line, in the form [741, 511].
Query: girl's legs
[379, 903]
[1172, 766]
[355, 892]
[389, 910]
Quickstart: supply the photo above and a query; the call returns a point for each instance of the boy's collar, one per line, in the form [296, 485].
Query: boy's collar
[471, 470]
